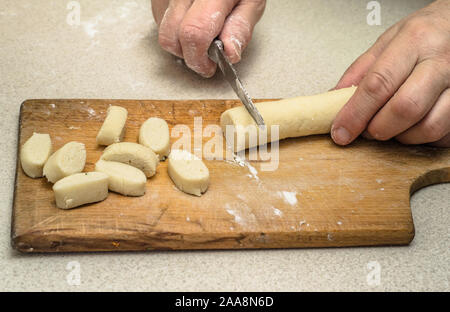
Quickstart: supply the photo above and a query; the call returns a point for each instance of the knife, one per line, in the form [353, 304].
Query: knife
[217, 55]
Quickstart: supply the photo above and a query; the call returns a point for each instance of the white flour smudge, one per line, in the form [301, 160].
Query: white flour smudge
[215, 15]
[288, 197]
[234, 213]
[243, 163]
[277, 212]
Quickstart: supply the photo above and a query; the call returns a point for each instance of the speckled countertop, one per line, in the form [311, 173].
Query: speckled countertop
[299, 47]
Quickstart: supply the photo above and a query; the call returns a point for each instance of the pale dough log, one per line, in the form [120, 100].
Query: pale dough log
[154, 133]
[300, 116]
[188, 172]
[113, 128]
[123, 179]
[66, 161]
[80, 188]
[34, 153]
[133, 154]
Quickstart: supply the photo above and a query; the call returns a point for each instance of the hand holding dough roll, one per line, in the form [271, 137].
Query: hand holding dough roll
[80, 188]
[34, 153]
[300, 116]
[68, 160]
[113, 128]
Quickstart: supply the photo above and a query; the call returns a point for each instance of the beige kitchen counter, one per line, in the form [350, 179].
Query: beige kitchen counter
[299, 47]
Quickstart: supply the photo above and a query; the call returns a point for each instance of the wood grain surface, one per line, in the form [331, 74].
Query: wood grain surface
[321, 195]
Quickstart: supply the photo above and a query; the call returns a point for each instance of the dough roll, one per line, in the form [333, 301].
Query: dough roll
[66, 161]
[113, 128]
[154, 133]
[34, 153]
[188, 172]
[123, 179]
[300, 116]
[136, 155]
[80, 188]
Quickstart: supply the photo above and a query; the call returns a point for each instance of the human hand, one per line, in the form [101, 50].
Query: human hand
[403, 83]
[187, 28]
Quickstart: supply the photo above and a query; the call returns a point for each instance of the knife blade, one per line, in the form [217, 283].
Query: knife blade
[217, 55]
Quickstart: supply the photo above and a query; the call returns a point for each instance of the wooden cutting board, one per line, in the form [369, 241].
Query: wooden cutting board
[321, 195]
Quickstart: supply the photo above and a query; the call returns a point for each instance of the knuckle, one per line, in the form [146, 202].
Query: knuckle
[379, 83]
[407, 108]
[439, 67]
[418, 27]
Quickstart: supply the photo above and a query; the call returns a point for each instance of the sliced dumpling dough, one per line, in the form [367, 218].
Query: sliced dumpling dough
[133, 154]
[300, 116]
[154, 133]
[34, 153]
[188, 172]
[123, 179]
[81, 188]
[113, 128]
[66, 161]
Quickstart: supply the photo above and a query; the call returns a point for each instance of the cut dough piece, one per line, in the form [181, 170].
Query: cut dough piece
[154, 133]
[123, 179]
[68, 160]
[133, 154]
[188, 172]
[300, 116]
[34, 153]
[113, 128]
[81, 188]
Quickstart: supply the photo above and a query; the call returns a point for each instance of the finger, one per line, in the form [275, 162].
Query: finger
[202, 23]
[382, 80]
[434, 127]
[169, 26]
[356, 72]
[158, 9]
[411, 102]
[238, 27]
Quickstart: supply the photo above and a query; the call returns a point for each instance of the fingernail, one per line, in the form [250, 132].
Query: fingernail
[341, 136]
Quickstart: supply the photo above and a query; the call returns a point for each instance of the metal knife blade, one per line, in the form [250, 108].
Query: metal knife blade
[217, 54]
